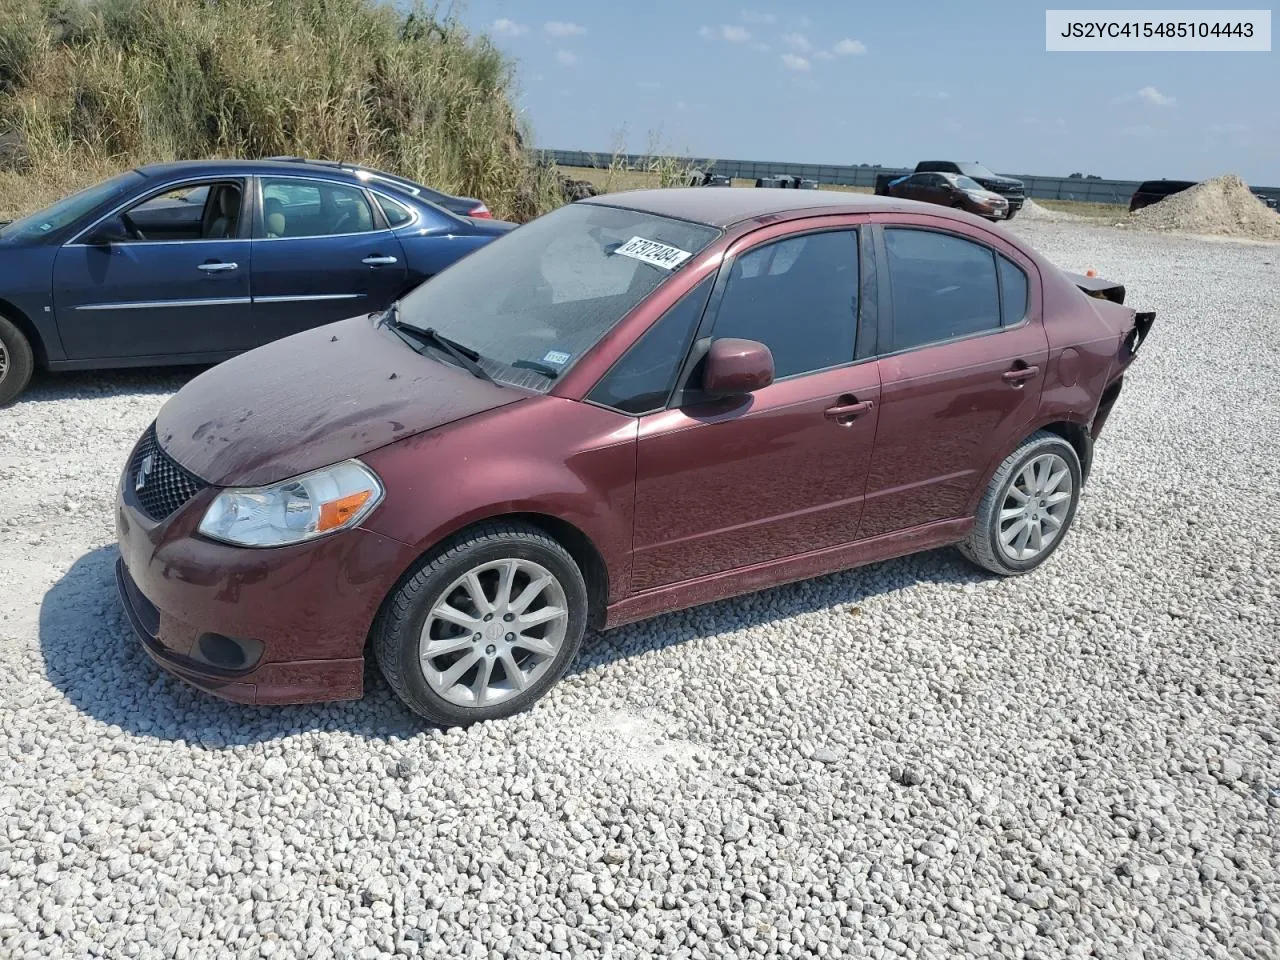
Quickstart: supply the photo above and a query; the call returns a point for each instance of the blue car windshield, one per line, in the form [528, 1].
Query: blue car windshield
[69, 209]
[534, 301]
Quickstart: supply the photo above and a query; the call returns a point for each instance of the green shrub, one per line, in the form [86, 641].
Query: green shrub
[95, 84]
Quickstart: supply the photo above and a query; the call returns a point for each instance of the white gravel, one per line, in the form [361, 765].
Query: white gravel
[911, 759]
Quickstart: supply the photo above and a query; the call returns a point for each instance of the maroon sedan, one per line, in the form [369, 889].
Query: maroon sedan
[637, 403]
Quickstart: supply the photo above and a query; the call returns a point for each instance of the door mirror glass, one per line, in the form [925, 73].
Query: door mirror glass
[735, 367]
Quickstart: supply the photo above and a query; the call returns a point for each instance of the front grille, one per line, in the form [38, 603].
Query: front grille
[157, 480]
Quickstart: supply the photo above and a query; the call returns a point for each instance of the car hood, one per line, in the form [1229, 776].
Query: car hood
[312, 399]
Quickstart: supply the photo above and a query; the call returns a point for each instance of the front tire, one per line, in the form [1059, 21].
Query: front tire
[484, 627]
[1028, 506]
[16, 361]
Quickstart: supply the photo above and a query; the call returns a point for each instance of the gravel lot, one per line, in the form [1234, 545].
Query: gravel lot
[911, 759]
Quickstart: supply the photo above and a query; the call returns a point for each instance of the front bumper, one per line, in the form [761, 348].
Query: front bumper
[303, 610]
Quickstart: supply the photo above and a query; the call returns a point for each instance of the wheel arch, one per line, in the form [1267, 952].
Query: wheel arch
[10, 311]
[1075, 432]
[581, 547]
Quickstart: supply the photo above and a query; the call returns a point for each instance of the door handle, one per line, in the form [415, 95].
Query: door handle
[378, 261]
[218, 267]
[1018, 375]
[847, 410]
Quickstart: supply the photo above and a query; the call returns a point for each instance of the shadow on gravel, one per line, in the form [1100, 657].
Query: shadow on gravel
[847, 588]
[76, 384]
[92, 657]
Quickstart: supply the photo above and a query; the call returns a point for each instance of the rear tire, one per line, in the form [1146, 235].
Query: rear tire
[16, 361]
[484, 627]
[1028, 507]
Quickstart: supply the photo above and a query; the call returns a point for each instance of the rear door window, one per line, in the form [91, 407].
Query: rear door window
[295, 208]
[942, 285]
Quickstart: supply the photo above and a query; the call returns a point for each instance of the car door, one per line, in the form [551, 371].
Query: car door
[963, 354]
[165, 276]
[783, 472]
[322, 252]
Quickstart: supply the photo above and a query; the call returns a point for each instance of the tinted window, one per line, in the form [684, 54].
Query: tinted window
[395, 213]
[1013, 291]
[942, 286]
[641, 380]
[799, 297]
[313, 208]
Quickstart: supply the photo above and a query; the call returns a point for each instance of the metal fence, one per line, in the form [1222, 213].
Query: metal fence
[864, 175]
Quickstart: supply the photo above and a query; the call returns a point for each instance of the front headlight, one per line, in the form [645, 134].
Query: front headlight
[291, 511]
[978, 197]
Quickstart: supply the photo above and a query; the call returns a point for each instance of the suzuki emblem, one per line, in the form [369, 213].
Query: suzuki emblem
[144, 471]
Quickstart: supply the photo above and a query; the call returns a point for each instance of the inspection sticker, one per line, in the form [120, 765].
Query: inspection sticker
[558, 357]
[654, 253]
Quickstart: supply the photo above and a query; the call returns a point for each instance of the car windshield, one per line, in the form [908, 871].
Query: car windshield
[974, 169]
[534, 301]
[965, 183]
[69, 209]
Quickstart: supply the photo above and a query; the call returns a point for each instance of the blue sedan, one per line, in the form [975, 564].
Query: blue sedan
[194, 262]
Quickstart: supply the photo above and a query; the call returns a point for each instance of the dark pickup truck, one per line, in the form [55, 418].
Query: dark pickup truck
[1013, 190]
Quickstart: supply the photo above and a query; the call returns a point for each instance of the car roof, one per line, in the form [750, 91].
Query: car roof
[267, 166]
[726, 206]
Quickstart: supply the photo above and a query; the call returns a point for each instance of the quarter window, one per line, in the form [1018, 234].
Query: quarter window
[641, 380]
[1013, 291]
[313, 208]
[397, 214]
[942, 286]
[797, 296]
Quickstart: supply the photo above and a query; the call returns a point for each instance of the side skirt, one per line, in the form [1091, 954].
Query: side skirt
[772, 573]
[160, 360]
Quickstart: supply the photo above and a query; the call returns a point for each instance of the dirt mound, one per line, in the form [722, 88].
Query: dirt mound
[1223, 206]
[1033, 211]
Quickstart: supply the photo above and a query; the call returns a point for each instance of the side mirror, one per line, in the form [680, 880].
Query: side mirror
[109, 232]
[736, 367]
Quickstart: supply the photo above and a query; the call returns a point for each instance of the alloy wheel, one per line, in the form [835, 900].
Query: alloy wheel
[1035, 507]
[494, 631]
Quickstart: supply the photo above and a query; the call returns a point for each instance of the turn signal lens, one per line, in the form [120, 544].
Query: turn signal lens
[336, 513]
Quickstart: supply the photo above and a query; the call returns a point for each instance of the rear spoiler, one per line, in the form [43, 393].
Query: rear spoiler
[1098, 287]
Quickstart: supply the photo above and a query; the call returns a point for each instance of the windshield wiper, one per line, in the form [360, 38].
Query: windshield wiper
[537, 366]
[465, 356]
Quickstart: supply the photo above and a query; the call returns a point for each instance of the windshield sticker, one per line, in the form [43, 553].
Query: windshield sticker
[557, 357]
[654, 253]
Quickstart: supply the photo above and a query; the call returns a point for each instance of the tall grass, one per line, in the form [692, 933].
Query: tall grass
[87, 86]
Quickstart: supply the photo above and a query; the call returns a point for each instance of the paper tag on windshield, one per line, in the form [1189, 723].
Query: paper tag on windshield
[558, 357]
[654, 253]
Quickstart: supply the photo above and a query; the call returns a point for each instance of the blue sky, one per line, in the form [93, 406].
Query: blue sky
[880, 82]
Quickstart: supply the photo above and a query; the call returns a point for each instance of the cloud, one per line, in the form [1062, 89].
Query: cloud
[559, 28]
[751, 16]
[566, 58]
[726, 32]
[798, 41]
[681, 105]
[1153, 96]
[794, 61]
[824, 55]
[933, 95]
[761, 47]
[508, 28]
[849, 48]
